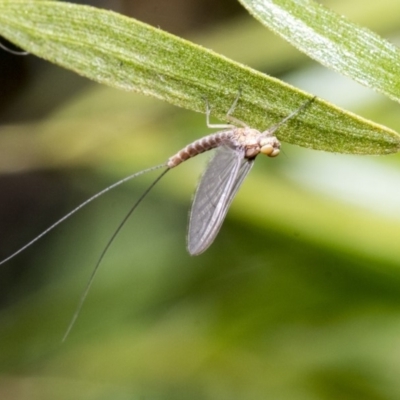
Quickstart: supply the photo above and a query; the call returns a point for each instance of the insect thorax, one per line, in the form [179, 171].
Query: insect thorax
[253, 142]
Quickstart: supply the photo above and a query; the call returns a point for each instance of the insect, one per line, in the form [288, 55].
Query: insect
[236, 149]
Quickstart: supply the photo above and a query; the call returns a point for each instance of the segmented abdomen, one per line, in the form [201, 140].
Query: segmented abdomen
[200, 146]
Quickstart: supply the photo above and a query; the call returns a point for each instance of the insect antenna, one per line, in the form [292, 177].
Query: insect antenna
[103, 253]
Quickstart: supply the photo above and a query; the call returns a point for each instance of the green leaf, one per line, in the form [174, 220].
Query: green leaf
[333, 41]
[127, 54]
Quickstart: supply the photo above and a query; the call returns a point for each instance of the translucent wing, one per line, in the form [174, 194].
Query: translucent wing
[215, 192]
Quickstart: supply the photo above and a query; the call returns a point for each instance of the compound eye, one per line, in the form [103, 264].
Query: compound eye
[269, 150]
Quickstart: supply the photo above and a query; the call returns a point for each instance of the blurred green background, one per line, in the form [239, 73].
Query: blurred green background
[299, 296]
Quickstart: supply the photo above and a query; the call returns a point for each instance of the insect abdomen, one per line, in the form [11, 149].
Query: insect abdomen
[199, 146]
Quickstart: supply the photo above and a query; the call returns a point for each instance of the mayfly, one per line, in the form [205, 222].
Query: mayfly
[236, 149]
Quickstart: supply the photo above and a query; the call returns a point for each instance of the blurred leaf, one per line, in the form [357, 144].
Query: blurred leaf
[130, 55]
[231, 37]
[333, 41]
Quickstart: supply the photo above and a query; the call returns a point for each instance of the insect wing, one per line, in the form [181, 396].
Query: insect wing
[215, 192]
[245, 167]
